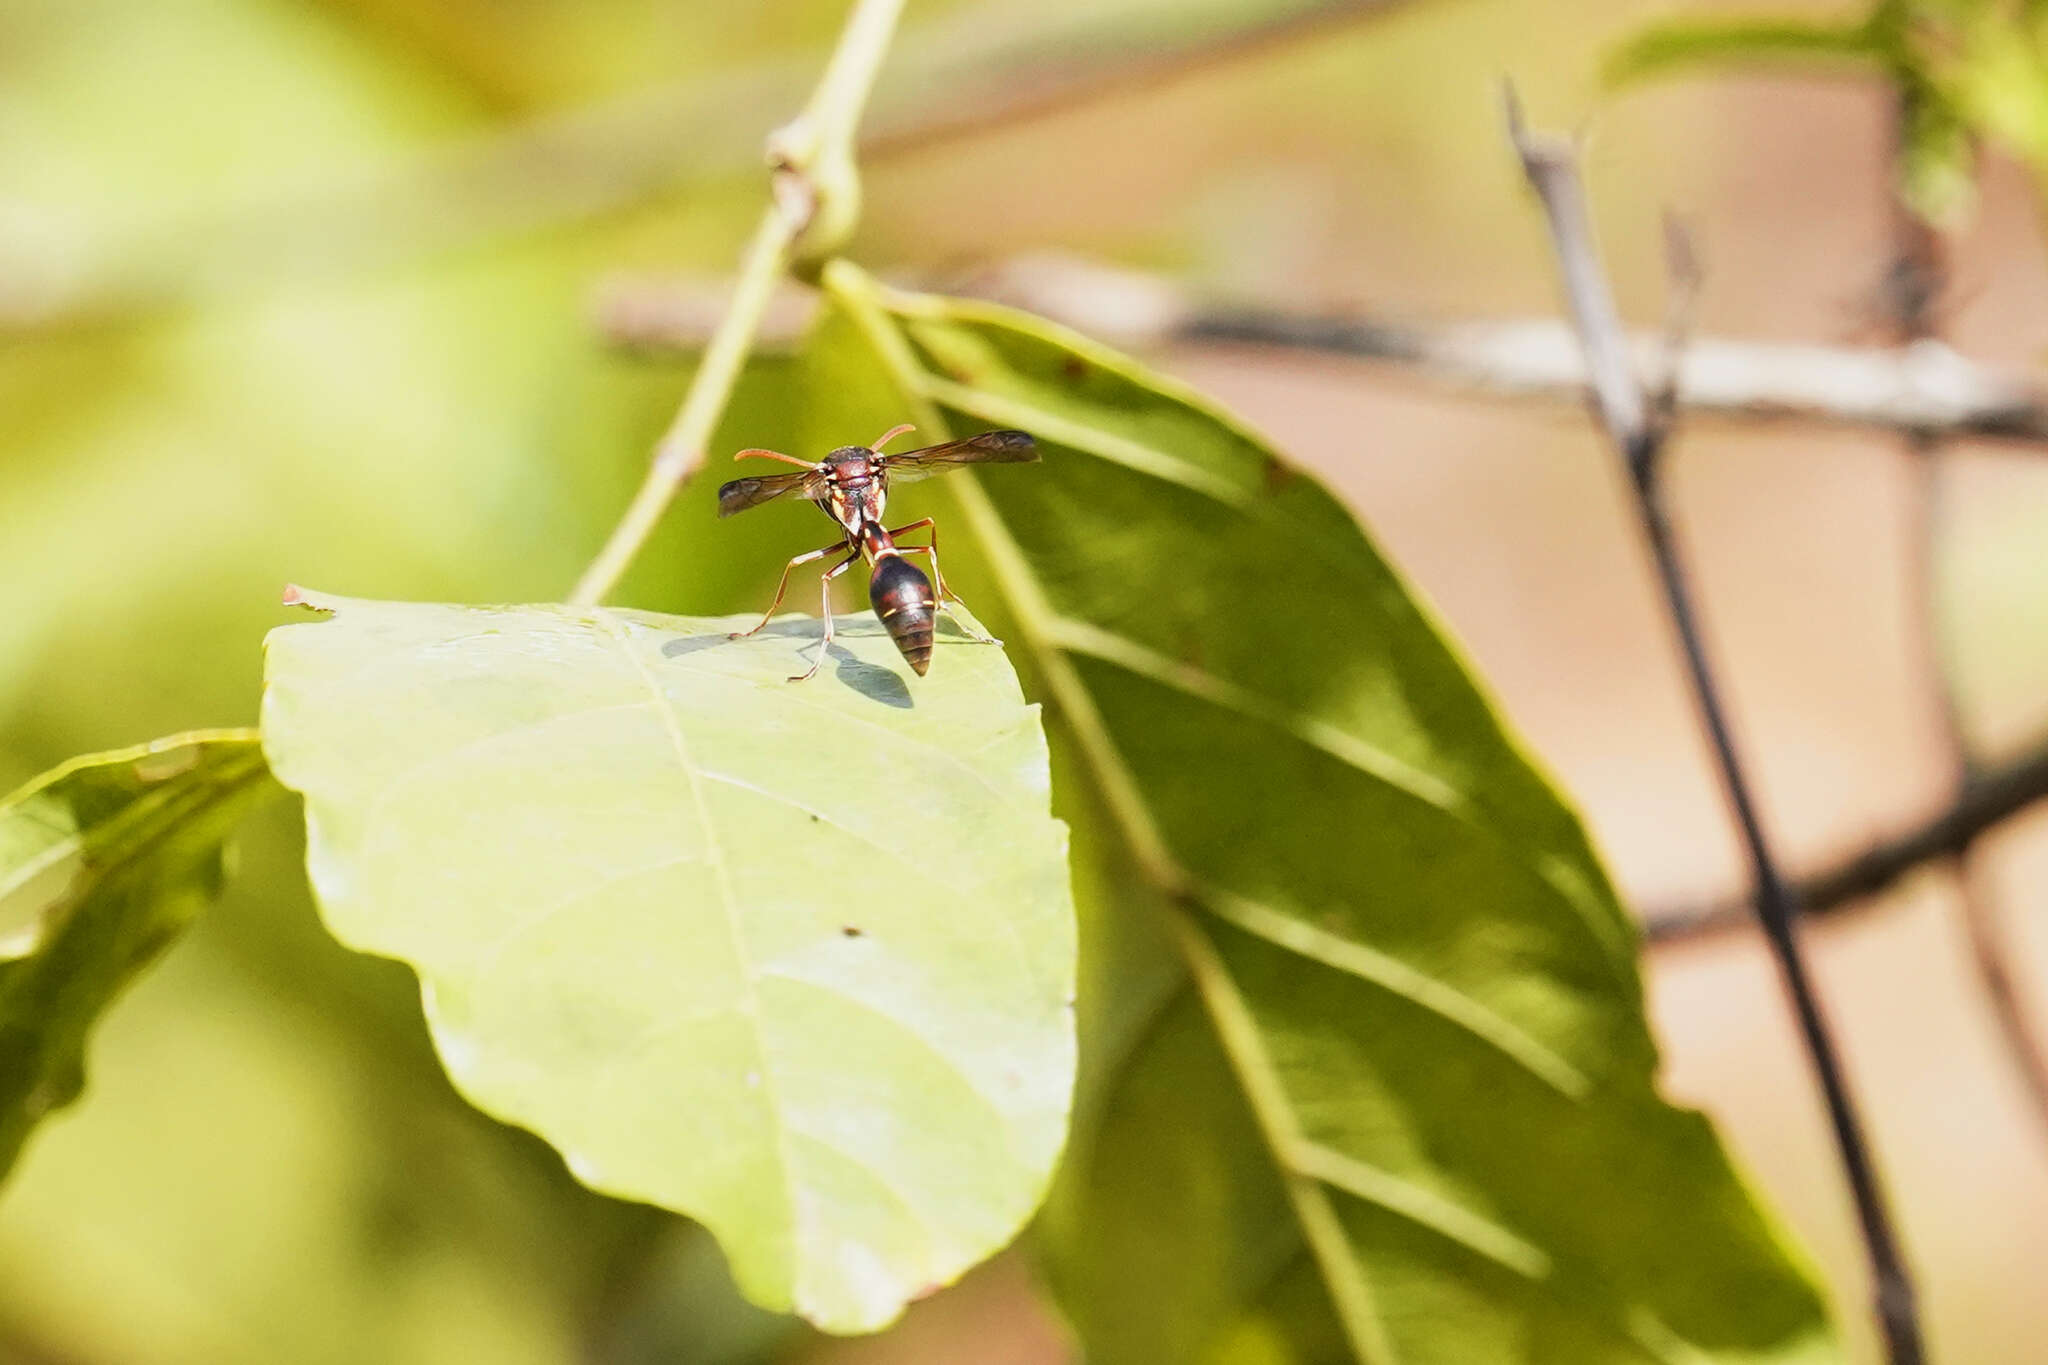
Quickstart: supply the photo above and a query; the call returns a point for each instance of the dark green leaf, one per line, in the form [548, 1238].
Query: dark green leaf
[102, 862]
[1368, 1071]
[794, 959]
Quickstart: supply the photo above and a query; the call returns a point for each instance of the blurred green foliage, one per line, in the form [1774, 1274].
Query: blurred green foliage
[1965, 70]
[107, 859]
[271, 1166]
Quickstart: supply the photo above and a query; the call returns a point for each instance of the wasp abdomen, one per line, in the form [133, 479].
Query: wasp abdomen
[902, 597]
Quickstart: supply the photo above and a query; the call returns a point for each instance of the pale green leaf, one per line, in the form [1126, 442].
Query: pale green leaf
[1367, 1072]
[102, 861]
[793, 959]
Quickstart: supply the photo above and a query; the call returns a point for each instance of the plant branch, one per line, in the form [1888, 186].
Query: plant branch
[813, 208]
[1996, 794]
[1914, 281]
[1617, 395]
[1926, 387]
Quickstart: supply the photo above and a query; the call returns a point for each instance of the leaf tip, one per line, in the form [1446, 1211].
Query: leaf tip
[297, 596]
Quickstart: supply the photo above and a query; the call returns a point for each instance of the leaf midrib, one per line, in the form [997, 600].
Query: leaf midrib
[1352, 1297]
[621, 631]
[1228, 1011]
[1151, 462]
[729, 904]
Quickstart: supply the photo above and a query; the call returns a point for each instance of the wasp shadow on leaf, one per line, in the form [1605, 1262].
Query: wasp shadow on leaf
[884, 685]
[872, 681]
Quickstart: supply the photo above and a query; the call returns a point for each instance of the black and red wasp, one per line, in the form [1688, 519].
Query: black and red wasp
[852, 486]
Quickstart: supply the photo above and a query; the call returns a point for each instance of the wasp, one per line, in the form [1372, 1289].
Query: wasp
[851, 486]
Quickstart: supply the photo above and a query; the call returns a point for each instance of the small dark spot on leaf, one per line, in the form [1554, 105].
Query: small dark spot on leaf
[851, 930]
[1278, 474]
[1074, 369]
[814, 819]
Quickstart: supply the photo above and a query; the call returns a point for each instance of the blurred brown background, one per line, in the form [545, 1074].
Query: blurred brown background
[214, 418]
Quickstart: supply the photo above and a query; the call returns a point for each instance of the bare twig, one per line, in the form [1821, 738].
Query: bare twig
[1681, 305]
[980, 70]
[816, 195]
[1616, 392]
[1927, 386]
[1997, 794]
[1924, 387]
[1914, 283]
[1552, 169]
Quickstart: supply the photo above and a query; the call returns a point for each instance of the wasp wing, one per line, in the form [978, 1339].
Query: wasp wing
[991, 447]
[741, 494]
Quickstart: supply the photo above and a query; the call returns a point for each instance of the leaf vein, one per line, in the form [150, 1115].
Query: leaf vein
[1397, 978]
[742, 958]
[1198, 685]
[924, 1044]
[535, 920]
[1423, 1207]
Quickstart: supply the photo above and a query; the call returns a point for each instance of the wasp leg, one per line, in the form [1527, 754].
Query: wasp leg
[932, 527]
[825, 607]
[945, 593]
[783, 586]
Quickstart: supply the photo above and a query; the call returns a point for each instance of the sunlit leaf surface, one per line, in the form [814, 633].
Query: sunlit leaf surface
[794, 959]
[102, 862]
[1368, 1075]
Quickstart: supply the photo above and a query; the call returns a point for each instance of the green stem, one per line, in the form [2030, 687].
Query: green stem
[817, 199]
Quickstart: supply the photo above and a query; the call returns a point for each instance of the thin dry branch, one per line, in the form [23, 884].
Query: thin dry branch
[1996, 794]
[1639, 437]
[1914, 283]
[1925, 387]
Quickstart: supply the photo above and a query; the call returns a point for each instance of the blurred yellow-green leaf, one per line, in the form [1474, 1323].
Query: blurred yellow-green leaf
[1670, 45]
[102, 862]
[1963, 70]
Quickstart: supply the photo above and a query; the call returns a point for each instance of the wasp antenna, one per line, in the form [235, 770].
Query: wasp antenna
[891, 434]
[753, 453]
